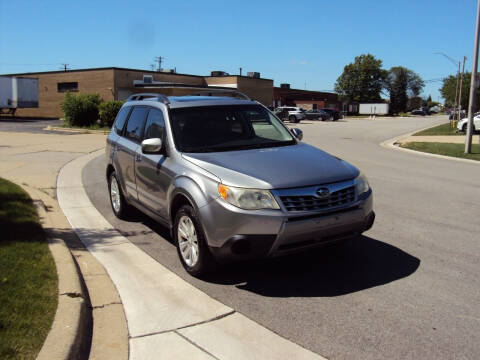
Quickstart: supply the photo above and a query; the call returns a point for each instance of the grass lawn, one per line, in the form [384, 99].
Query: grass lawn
[28, 278]
[444, 129]
[456, 150]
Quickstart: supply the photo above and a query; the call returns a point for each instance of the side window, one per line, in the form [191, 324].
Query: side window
[120, 120]
[135, 123]
[155, 125]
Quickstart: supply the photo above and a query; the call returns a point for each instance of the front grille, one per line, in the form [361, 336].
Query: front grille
[312, 203]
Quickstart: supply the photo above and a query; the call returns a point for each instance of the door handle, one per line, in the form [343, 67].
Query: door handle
[138, 158]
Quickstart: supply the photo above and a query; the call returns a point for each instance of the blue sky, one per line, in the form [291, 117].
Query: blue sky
[296, 42]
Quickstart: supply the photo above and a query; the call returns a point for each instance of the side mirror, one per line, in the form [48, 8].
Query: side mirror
[297, 133]
[152, 146]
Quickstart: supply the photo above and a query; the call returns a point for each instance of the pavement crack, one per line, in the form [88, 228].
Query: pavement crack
[186, 326]
[105, 305]
[196, 345]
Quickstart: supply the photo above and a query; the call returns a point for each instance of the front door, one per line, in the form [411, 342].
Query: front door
[152, 175]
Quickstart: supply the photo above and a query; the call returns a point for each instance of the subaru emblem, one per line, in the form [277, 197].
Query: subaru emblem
[323, 192]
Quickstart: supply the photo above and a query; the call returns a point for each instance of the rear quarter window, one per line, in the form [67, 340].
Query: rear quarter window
[120, 119]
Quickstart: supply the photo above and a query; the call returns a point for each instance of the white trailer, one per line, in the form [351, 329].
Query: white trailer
[17, 92]
[373, 109]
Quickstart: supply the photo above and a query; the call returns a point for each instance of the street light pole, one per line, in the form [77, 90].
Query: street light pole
[473, 85]
[454, 62]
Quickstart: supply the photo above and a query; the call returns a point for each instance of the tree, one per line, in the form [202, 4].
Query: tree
[448, 91]
[402, 84]
[362, 80]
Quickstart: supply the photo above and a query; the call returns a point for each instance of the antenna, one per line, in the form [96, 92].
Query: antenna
[159, 59]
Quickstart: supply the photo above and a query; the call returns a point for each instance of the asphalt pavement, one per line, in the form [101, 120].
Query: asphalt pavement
[408, 288]
[11, 124]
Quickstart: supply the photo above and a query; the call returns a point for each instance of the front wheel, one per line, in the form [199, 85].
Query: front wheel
[293, 119]
[464, 128]
[190, 241]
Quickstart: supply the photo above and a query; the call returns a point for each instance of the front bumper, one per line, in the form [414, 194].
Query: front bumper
[233, 233]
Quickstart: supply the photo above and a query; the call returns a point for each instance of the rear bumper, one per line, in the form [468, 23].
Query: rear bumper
[237, 234]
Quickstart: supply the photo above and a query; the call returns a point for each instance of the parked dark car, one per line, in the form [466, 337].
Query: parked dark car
[334, 114]
[418, 112]
[316, 114]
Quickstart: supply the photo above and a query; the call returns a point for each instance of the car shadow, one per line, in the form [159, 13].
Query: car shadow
[325, 272]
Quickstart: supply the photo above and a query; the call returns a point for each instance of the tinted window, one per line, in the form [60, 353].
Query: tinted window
[67, 86]
[120, 120]
[135, 123]
[225, 128]
[155, 125]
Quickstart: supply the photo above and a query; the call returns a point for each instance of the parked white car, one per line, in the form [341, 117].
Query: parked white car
[293, 113]
[462, 124]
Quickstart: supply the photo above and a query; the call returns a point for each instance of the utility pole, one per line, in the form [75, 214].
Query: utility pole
[240, 71]
[65, 67]
[152, 66]
[456, 95]
[473, 85]
[159, 59]
[460, 91]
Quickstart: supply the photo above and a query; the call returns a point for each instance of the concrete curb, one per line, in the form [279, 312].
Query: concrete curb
[69, 335]
[390, 144]
[76, 131]
[166, 316]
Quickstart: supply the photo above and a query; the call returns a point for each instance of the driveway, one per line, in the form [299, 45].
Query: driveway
[408, 288]
[8, 123]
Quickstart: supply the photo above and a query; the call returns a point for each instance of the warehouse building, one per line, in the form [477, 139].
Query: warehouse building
[114, 83]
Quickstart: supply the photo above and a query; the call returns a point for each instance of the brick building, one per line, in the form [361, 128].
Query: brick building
[306, 99]
[114, 83]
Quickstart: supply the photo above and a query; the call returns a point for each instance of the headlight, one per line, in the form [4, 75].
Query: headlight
[361, 183]
[248, 199]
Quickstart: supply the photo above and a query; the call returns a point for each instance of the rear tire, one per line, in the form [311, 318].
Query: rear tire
[119, 205]
[190, 240]
[293, 119]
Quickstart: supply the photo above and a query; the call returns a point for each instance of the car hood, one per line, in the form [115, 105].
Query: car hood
[275, 168]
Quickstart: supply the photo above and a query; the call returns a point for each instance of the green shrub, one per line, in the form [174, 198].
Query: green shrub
[80, 109]
[108, 111]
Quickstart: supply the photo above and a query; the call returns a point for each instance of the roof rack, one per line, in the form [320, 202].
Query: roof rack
[197, 90]
[149, 96]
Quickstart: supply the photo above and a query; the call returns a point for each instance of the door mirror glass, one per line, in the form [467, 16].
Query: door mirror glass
[152, 146]
[298, 133]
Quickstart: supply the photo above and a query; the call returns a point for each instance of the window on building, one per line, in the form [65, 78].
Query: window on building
[67, 86]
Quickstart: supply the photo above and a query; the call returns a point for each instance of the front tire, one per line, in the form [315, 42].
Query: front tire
[191, 245]
[119, 205]
[293, 119]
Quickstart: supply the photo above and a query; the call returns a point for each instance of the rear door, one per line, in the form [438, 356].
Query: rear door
[152, 176]
[127, 146]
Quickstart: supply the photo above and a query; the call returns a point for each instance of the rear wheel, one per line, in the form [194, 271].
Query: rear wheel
[190, 241]
[464, 128]
[119, 205]
[293, 119]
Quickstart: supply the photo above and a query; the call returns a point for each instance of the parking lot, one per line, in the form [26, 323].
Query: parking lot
[408, 288]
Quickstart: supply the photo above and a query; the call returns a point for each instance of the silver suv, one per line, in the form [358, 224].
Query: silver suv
[230, 180]
[293, 113]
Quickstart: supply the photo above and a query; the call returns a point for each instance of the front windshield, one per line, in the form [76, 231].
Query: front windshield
[225, 128]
